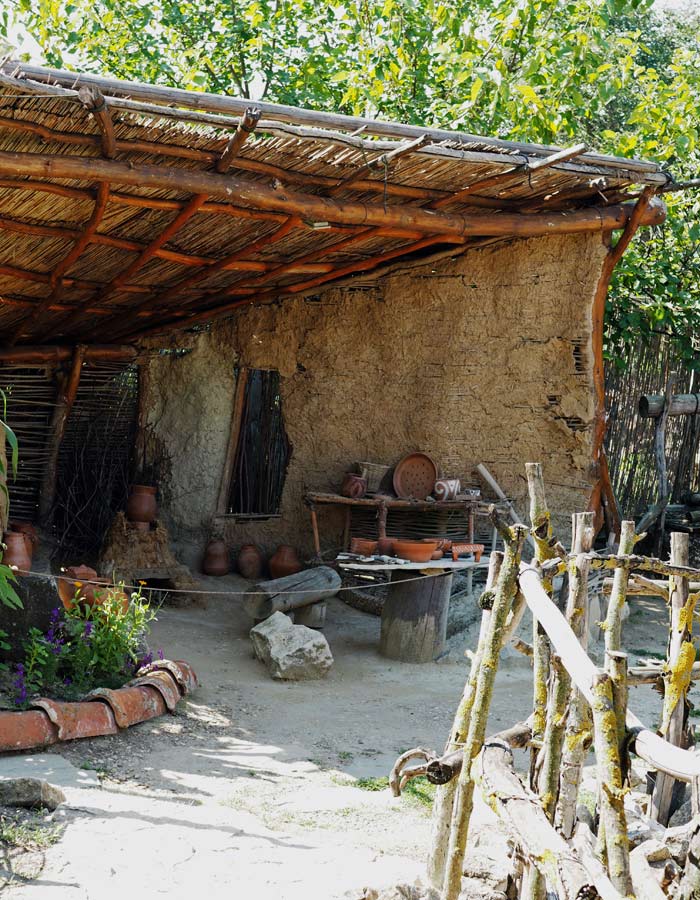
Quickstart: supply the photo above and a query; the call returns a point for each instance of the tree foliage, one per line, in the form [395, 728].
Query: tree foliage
[614, 73]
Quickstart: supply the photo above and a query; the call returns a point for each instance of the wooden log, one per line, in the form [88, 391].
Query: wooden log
[530, 829]
[320, 209]
[610, 792]
[94, 102]
[658, 753]
[637, 675]
[553, 740]
[47, 354]
[68, 389]
[491, 646]
[444, 796]
[616, 668]
[681, 656]
[414, 617]
[284, 594]
[651, 406]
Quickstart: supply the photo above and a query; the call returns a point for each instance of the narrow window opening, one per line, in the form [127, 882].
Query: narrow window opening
[263, 450]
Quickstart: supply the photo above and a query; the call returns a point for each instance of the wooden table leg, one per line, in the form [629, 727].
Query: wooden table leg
[470, 572]
[314, 526]
[381, 523]
[414, 617]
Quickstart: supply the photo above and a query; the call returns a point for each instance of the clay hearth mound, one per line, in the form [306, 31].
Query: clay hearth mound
[132, 555]
[156, 688]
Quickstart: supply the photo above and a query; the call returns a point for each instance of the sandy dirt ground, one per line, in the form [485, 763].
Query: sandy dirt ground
[256, 788]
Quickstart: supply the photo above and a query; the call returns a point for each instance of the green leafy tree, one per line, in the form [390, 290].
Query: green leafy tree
[612, 72]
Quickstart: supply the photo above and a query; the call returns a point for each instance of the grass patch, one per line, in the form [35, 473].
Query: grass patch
[418, 791]
[28, 832]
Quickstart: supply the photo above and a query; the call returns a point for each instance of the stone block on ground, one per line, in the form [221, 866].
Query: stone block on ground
[291, 652]
[30, 793]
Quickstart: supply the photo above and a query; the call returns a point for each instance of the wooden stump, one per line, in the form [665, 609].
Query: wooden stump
[414, 617]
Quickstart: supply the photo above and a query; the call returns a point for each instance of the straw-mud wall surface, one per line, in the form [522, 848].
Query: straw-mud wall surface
[483, 358]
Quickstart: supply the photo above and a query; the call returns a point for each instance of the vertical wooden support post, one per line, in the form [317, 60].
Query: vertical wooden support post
[681, 656]
[616, 667]
[445, 793]
[314, 528]
[67, 391]
[578, 726]
[236, 422]
[610, 793]
[514, 538]
[618, 595]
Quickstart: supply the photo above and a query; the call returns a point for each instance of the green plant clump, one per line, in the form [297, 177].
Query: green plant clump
[102, 645]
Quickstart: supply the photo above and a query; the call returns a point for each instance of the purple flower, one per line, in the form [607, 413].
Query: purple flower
[68, 680]
[55, 614]
[160, 653]
[87, 631]
[21, 687]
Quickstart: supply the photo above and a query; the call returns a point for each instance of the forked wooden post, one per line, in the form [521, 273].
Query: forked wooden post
[681, 656]
[613, 620]
[445, 793]
[506, 587]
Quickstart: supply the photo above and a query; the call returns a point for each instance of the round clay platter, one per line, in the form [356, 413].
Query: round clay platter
[415, 477]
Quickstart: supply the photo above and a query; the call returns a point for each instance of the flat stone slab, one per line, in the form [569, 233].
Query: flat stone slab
[50, 767]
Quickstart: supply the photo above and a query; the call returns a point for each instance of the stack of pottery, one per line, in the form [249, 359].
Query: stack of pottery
[216, 559]
[141, 507]
[79, 585]
[18, 550]
[249, 562]
[284, 562]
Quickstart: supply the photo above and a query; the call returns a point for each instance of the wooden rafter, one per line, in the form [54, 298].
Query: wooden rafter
[246, 128]
[381, 164]
[94, 102]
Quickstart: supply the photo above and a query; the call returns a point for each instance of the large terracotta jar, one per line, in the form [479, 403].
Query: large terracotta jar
[216, 558]
[249, 562]
[284, 562]
[141, 505]
[18, 553]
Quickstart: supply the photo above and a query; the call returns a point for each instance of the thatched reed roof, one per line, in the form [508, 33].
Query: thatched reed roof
[130, 209]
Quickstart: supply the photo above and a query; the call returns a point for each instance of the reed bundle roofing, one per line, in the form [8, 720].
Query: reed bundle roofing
[130, 209]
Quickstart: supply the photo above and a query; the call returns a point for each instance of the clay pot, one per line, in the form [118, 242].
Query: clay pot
[26, 528]
[446, 488]
[363, 547]
[19, 550]
[415, 551]
[141, 505]
[216, 559]
[284, 562]
[249, 562]
[353, 485]
[81, 586]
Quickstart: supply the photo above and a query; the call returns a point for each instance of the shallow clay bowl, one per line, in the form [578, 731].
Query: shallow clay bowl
[415, 551]
[363, 547]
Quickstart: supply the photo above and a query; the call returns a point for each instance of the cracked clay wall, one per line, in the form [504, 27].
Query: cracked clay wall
[483, 358]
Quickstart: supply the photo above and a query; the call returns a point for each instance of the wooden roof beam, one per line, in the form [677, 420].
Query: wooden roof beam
[314, 208]
[197, 100]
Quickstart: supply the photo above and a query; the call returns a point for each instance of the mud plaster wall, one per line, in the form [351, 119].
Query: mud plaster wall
[485, 358]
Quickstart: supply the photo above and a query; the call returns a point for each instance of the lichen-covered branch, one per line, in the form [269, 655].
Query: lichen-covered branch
[678, 673]
[490, 648]
[610, 791]
[618, 595]
[444, 796]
